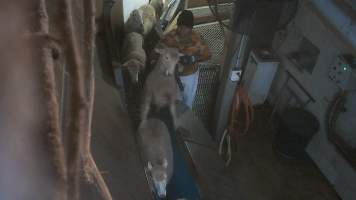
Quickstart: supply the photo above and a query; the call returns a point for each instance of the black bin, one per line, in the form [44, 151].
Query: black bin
[295, 127]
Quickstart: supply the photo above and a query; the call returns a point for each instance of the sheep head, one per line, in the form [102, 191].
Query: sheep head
[134, 67]
[135, 22]
[168, 59]
[159, 176]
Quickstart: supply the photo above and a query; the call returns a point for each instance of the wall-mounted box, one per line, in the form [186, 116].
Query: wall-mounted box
[259, 74]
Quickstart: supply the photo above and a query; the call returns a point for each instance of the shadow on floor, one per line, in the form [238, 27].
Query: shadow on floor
[113, 140]
[104, 60]
[260, 173]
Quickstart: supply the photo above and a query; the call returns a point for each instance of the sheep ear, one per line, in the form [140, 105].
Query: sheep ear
[149, 166]
[140, 12]
[141, 66]
[159, 51]
[125, 65]
[165, 163]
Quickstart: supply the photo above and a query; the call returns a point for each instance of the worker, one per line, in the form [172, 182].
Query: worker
[194, 49]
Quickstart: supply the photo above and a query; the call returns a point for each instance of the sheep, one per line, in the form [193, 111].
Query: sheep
[143, 19]
[159, 6]
[161, 87]
[134, 23]
[156, 148]
[134, 56]
[149, 18]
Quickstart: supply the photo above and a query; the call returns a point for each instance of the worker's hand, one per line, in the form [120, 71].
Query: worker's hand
[188, 59]
[180, 67]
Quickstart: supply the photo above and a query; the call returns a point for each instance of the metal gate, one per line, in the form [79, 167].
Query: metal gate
[209, 72]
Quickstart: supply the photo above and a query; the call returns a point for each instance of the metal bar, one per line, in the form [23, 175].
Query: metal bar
[227, 87]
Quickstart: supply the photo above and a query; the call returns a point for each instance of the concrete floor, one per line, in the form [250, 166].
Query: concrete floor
[260, 173]
[256, 172]
[113, 140]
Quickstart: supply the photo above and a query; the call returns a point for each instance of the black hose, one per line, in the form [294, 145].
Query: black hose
[336, 106]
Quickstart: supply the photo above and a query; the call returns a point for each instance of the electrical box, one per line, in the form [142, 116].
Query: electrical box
[259, 73]
[343, 72]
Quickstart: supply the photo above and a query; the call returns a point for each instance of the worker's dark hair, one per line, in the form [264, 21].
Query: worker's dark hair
[186, 18]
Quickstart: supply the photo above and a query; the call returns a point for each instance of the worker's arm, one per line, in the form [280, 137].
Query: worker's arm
[200, 49]
[169, 40]
[204, 52]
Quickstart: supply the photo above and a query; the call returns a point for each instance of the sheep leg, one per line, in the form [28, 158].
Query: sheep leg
[172, 108]
[145, 107]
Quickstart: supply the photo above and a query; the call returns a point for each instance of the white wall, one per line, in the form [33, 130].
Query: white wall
[323, 152]
[130, 5]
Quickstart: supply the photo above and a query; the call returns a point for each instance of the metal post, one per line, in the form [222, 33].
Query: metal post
[227, 87]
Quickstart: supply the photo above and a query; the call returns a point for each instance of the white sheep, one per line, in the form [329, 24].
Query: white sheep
[149, 19]
[161, 87]
[134, 56]
[156, 148]
[159, 6]
[143, 19]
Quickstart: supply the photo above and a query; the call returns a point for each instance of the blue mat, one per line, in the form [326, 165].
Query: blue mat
[182, 184]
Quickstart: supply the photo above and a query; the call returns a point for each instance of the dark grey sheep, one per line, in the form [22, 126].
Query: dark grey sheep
[134, 23]
[149, 18]
[156, 148]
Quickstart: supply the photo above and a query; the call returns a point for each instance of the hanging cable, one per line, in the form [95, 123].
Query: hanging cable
[336, 106]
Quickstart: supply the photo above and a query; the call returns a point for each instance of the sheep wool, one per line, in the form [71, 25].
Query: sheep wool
[158, 6]
[134, 23]
[156, 148]
[149, 18]
[134, 56]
